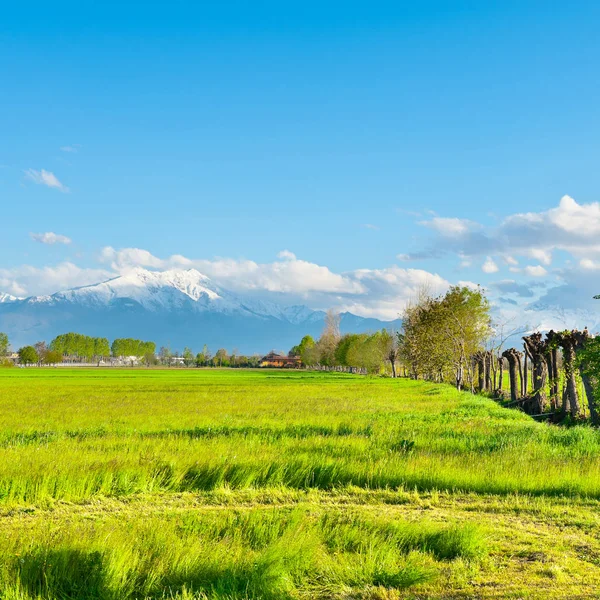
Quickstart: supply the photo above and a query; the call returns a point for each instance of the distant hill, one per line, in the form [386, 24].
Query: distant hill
[174, 308]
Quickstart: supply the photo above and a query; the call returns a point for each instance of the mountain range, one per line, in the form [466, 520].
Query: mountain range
[173, 308]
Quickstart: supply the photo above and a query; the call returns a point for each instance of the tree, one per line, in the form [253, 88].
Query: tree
[466, 323]
[329, 339]
[424, 352]
[221, 357]
[131, 347]
[80, 347]
[28, 355]
[4, 344]
[164, 355]
[588, 360]
[441, 335]
[188, 357]
[52, 358]
[305, 350]
[42, 350]
[150, 359]
[389, 341]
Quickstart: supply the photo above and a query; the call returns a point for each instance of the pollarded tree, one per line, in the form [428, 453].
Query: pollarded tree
[389, 341]
[537, 349]
[587, 350]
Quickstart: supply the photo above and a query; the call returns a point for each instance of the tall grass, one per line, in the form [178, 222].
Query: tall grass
[254, 554]
[74, 436]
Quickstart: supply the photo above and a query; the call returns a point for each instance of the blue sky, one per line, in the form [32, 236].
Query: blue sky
[336, 131]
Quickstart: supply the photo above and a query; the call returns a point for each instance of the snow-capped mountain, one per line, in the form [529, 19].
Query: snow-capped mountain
[176, 308]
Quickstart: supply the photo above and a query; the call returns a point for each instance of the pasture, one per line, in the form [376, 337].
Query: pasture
[275, 485]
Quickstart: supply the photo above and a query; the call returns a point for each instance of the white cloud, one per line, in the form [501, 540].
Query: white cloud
[489, 266]
[544, 256]
[449, 227]
[289, 275]
[588, 264]
[27, 280]
[46, 178]
[531, 270]
[50, 238]
[535, 271]
[371, 226]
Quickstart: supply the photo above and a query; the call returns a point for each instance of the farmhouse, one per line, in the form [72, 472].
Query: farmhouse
[277, 360]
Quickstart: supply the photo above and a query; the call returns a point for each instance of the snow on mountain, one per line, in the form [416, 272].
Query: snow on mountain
[5, 298]
[154, 290]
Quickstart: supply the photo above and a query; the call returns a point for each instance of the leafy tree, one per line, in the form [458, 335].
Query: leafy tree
[441, 335]
[344, 347]
[131, 347]
[254, 360]
[52, 357]
[304, 349]
[28, 355]
[221, 357]
[150, 359]
[188, 357]
[4, 344]
[81, 347]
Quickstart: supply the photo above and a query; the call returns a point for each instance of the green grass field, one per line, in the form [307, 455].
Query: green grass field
[230, 485]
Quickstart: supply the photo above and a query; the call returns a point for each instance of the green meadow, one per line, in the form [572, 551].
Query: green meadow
[233, 484]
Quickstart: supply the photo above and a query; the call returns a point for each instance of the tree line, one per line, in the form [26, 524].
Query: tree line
[563, 368]
[205, 358]
[372, 353]
[437, 339]
[76, 347]
[451, 338]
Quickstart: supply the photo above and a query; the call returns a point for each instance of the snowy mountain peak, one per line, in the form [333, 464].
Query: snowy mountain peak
[190, 282]
[154, 290]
